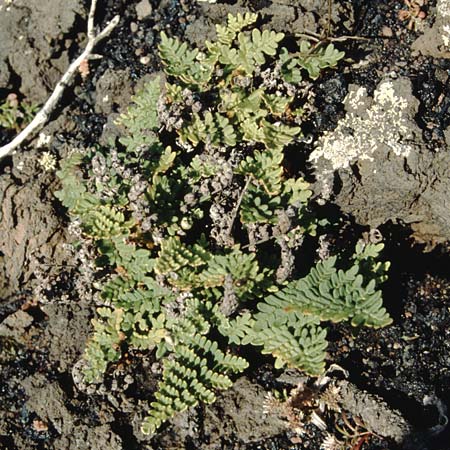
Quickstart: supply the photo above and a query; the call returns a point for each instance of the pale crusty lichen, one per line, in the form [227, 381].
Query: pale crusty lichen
[370, 125]
[443, 8]
[47, 162]
[443, 11]
[446, 35]
[358, 135]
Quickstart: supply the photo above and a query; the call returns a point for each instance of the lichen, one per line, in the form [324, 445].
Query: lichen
[443, 8]
[446, 35]
[443, 12]
[370, 125]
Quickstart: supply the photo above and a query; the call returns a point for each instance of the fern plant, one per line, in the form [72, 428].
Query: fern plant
[15, 115]
[196, 222]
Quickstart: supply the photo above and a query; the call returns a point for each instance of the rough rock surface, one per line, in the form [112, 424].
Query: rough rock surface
[435, 41]
[47, 400]
[238, 414]
[30, 232]
[377, 416]
[113, 91]
[32, 45]
[389, 184]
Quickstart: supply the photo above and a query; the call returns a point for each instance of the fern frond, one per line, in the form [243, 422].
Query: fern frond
[258, 207]
[278, 135]
[297, 191]
[72, 189]
[115, 288]
[182, 62]
[196, 370]
[334, 295]
[237, 103]
[227, 34]
[202, 168]
[265, 167]
[106, 222]
[141, 119]
[174, 255]
[252, 49]
[235, 329]
[303, 348]
[104, 346]
[176, 56]
[287, 324]
[147, 331]
[242, 268]
[214, 130]
[277, 104]
[312, 59]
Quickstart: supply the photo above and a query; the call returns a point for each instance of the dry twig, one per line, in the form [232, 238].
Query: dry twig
[41, 117]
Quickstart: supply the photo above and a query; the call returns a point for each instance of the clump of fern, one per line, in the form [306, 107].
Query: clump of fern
[197, 219]
[15, 115]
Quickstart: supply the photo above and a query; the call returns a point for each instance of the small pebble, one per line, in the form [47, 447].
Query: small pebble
[387, 32]
[133, 27]
[143, 9]
[40, 425]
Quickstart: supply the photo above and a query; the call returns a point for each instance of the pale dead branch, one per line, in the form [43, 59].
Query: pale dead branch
[42, 116]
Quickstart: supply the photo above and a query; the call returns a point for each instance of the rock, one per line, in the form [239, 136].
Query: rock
[15, 324]
[435, 41]
[48, 400]
[373, 412]
[447, 136]
[385, 170]
[237, 414]
[31, 43]
[113, 91]
[387, 32]
[30, 232]
[143, 9]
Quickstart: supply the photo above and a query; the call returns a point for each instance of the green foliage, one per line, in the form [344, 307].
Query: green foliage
[196, 369]
[73, 192]
[178, 209]
[313, 59]
[333, 295]
[174, 256]
[15, 115]
[104, 347]
[105, 222]
[212, 130]
[141, 119]
[287, 324]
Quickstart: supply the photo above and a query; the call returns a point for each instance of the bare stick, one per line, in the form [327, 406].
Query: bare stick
[42, 116]
[90, 21]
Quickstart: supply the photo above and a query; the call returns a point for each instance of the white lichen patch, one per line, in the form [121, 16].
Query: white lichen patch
[47, 161]
[443, 8]
[446, 35]
[443, 12]
[43, 140]
[383, 124]
[355, 99]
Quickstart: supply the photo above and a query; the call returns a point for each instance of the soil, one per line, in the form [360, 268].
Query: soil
[398, 378]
